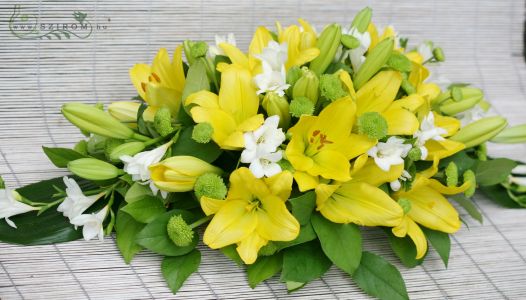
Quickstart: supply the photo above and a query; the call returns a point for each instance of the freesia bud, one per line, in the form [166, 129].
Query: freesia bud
[126, 111]
[179, 173]
[93, 169]
[362, 19]
[130, 149]
[276, 105]
[480, 131]
[511, 135]
[375, 60]
[439, 54]
[91, 119]
[328, 43]
[307, 86]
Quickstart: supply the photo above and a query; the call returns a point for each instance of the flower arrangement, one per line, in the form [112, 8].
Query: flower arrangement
[277, 157]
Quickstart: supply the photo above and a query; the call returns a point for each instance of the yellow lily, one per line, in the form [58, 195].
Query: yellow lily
[438, 149]
[323, 145]
[232, 112]
[378, 95]
[301, 43]
[429, 208]
[389, 31]
[253, 213]
[359, 200]
[162, 83]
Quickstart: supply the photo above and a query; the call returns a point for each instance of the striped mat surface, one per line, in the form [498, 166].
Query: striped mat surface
[483, 42]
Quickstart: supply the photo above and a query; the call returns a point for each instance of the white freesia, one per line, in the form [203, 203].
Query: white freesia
[518, 180]
[274, 54]
[11, 206]
[92, 224]
[261, 148]
[397, 184]
[75, 202]
[138, 165]
[471, 115]
[428, 131]
[519, 170]
[425, 49]
[356, 55]
[266, 139]
[271, 80]
[390, 153]
[220, 39]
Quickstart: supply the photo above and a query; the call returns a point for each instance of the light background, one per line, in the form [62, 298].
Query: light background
[483, 45]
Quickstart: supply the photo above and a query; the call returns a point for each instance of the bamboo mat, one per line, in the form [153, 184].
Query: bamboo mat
[483, 44]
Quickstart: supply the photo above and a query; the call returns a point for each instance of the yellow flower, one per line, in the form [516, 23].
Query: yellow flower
[359, 200]
[162, 83]
[179, 173]
[429, 208]
[323, 145]
[232, 112]
[389, 31]
[301, 43]
[253, 213]
[438, 149]
[378, 95]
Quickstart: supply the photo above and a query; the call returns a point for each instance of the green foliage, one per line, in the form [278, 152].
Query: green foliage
[185, 145]
[196, 79]
[378, 278]
[404, 249]
[440, 241]
[303, 206]
[468, 206]
[60, 157]
[146, 209]
[342, 243]
[264, 268]
[177, 269]
[127, 229]
[304, 262]
[494, 171]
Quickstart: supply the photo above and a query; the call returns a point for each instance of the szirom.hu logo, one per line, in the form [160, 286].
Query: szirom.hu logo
[29, 27]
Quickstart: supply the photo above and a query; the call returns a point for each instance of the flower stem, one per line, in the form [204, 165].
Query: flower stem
[200, 221]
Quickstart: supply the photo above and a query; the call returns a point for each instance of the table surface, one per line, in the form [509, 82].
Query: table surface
[483, 44]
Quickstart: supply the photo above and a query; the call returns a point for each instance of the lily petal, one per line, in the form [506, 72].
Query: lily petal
[400, 121]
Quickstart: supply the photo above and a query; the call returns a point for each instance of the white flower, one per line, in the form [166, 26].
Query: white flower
[274, 54]
[75, 202]
[356, 55]
[220, 39]
[389, 153]
[519, 170]
[271, 80]
[92, 224]
[425, 49]
[138, 165]
[396, 185]
[428, 131]
[10, 206]
[261, 148]
[517, 180]
[471, 115]
[266, 164]
[266, 139]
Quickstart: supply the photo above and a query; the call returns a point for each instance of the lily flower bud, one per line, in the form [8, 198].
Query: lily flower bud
[328, 43]
[307, 86]
[376, 59]
[480, 131]
[179, 231]
[91, 119]
[462, 99]
[511, 135]
[93, 169]
[350, 42]
[362, 19]
[179, 173]
[126, 111]
[129, 149]
[276, 105]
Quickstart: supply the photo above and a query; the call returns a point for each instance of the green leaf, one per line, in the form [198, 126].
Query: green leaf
[196, 79]
[264, 268]
[154, 236]
[185, 145]
[304, 262]
[342, 243]
[231, 252]
[440, 241]
[303, 206]
[177, 269]
[498, 194]
[468, 206]
[294, 286]
[60, 157]
[307, 234]
[127, 229]
[494, 171]
[378, 278]
[404, 248]
[461, 159]
[48, 228]
[146, 209]
[137, 192]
